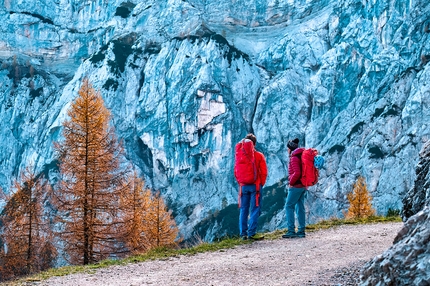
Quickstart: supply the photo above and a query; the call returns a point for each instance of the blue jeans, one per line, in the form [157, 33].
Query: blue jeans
[247, 203]
[296, 196]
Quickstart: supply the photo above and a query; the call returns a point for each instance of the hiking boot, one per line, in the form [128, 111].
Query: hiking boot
[290, 235]
[301, 234]
[255, 237]
[244, 237]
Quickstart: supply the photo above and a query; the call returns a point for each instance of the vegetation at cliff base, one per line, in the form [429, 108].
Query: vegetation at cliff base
[97, 208]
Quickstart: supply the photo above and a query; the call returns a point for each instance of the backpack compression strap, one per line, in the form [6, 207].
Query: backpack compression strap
[257, 195]
[240, 196]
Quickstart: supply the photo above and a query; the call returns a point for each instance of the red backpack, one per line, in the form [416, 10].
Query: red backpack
[245, 169]
[309, 171]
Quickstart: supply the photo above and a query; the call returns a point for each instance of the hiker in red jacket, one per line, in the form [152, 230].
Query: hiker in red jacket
[250, 196]
[296, 192]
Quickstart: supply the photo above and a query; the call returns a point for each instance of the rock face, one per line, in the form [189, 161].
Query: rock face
[407, 262]
[419, 195]
[186, 80]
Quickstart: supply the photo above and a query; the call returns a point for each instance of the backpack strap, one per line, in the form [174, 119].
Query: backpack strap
[257, 197]
[239, 196]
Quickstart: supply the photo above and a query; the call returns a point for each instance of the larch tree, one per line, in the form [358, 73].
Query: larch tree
[147, 222]
[92, 180]
[360, 205]
[134, 204]
[160, 228]
[26, 236]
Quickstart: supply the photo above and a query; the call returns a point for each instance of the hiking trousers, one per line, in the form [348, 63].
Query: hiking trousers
[296, 196]
[249, 208]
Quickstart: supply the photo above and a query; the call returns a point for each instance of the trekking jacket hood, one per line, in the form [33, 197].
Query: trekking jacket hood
[295, 168]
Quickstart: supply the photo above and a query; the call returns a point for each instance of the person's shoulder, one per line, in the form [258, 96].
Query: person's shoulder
[298, 152]
[259, 155]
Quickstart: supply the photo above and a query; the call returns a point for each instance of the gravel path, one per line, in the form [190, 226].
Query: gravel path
[326, 257]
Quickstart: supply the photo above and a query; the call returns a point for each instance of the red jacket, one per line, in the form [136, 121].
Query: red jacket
[295, 168]
[260, 161]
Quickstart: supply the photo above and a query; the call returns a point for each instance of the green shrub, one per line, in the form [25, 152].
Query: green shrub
[393, 212]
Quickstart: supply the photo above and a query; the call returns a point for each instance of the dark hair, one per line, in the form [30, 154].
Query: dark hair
[293, 144]
[251, 137]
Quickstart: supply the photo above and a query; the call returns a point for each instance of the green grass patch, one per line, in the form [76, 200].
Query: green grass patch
[334, 222]
[219, 245]
[324, 224]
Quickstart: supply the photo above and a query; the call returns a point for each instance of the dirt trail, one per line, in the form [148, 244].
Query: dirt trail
[325, 257]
